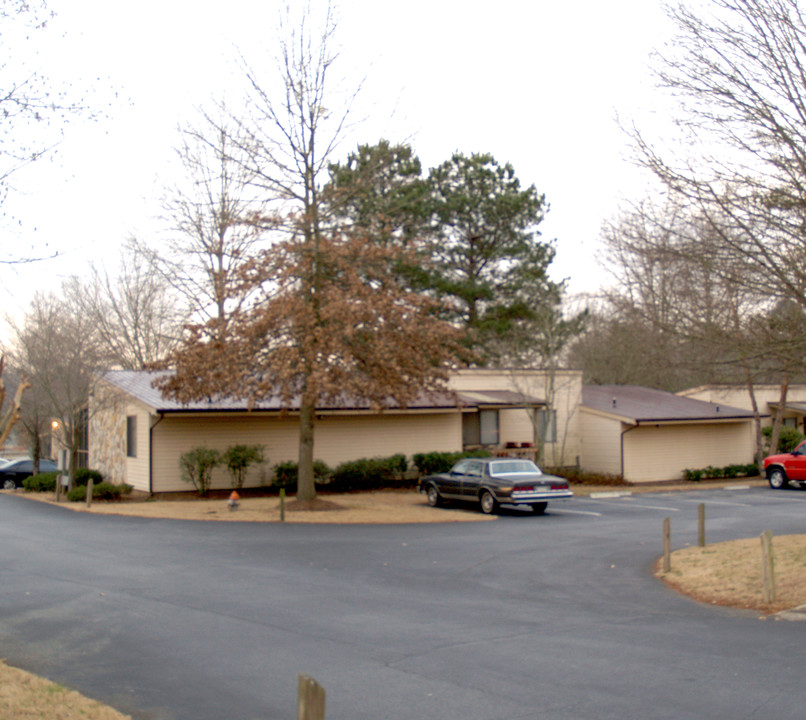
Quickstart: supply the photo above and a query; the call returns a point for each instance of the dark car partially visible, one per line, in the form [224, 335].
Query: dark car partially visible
[491, 482]
[13, 473]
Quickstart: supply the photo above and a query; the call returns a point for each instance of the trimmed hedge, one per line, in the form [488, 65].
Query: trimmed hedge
[583, 477]
[369, 473]
[83, 476]
[43, 482]
[285, 474]
[716, 473]
[101, 491]
[439, 462]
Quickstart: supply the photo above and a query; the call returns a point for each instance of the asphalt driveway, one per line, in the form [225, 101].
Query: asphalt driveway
[525, 617]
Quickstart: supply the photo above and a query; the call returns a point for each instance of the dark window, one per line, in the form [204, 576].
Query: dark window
[131, 436]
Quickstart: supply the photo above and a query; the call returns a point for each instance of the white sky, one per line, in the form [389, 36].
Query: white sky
[537, 84]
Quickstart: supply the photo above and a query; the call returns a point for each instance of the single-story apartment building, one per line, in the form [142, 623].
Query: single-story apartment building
[648, 435]
[137, 436]
[768, 397]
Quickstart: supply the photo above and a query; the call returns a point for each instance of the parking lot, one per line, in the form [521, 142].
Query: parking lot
[556, 616]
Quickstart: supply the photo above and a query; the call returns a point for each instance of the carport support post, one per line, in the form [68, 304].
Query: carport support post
[767, 567]
[667, 534]
[701, 525]
[310, 699]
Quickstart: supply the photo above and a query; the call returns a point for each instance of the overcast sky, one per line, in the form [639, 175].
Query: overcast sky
[538, 84]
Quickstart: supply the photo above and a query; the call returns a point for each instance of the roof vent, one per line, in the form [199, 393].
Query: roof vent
[717, 408]
[614, 402]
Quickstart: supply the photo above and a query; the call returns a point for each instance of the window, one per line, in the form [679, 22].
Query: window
[131, 436]
[480, 428]
[547, 425]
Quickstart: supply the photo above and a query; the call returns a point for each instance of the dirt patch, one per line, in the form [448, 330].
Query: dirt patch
[23, 695]
[730, 573]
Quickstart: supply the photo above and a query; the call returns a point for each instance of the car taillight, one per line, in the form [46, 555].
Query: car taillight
[523, 488]
[559, 486]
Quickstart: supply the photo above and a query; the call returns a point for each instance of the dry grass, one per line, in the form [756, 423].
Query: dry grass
[26, 697]
[729, 573]
[383, 506]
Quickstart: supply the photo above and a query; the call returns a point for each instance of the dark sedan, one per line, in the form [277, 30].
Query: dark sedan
[13, 473]
[495, 481]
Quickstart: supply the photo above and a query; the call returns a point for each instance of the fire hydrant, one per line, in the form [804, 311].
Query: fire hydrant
[234, 500]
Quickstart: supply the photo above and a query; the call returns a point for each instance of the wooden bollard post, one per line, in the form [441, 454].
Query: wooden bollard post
[767, 567]
[89, 492]
[310, 699]
[667, 555]
[701, 525]
[282, 504]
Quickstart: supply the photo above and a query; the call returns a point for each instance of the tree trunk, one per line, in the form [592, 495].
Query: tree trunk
[306, 489]
[756, 421]
[779, 416]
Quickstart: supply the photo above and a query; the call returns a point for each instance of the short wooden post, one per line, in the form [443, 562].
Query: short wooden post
[667, 555]
[310, 699]
[282, 504]
[767, 567]
[701, 524]
[89, 492]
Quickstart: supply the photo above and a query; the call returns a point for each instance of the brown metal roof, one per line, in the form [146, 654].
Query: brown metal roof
[646, 405]
[139, 384]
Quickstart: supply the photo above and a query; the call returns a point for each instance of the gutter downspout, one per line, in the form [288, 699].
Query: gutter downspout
[623, 433]
[151, 453]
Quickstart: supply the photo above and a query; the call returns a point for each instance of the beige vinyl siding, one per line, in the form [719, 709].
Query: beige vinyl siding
[337, 438]
[601, 443]
[654, 453]
[516, 426]
[738, 396]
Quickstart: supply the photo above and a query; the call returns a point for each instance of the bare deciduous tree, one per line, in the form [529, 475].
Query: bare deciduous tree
[737, 69]
[56, 348]
[134, 316]
[216, 220]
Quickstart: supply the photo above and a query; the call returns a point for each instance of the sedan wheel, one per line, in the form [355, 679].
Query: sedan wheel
[777, 479]
[488, 503]
[432, 496]
[9, 485]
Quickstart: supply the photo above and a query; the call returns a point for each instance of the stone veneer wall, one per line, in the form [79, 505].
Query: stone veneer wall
[107, 434]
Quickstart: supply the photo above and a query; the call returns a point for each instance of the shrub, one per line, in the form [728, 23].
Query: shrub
[43, 482]
[83, 476]
[369, 473]
[285, 474]
[238, 458]
[788, 440]
[583, 477]
[197, 467]
[439, 462]
[727, 472]
[101, 491]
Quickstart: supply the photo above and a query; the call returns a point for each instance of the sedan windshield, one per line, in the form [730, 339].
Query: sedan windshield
[514, 467]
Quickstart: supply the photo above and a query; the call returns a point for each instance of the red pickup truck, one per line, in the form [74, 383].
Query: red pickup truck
[786, 469]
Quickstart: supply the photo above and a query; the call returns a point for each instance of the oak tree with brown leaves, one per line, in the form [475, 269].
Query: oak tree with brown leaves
[327, 321]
